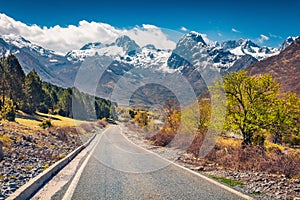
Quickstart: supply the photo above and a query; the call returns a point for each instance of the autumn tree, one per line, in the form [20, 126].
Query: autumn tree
[283, 117]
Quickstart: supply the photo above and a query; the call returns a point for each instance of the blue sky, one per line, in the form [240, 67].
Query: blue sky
[220, 20]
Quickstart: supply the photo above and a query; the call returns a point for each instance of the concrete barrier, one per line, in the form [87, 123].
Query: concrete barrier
[31, 187]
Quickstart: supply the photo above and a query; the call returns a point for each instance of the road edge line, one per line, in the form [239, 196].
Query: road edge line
[193, 172]
[70, 191]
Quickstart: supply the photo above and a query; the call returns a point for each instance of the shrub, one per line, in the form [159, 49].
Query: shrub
[293, 140]
[88, 127]
[46, 123]
[8, 111]
[43, 108]
[102, 123]
[259, 140]
[255, 158]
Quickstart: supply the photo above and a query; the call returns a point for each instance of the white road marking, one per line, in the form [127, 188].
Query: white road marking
[69, 193]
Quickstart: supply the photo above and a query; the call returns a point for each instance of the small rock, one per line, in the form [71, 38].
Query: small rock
[200, 168]
[297, 181]
[13, 185]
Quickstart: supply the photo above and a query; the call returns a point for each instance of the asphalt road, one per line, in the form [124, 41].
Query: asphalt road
[118, 169]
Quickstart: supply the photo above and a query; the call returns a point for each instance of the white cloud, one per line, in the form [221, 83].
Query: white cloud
[220, 34]
[263, 38]
[63, 39]
[235, 30]
[183, 29]
[275, 36]
[149, 34]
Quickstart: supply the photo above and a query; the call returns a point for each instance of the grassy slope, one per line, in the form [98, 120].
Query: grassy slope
[33, 121]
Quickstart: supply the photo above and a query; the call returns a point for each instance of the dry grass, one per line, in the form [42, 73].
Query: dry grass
[56, 120]
[272, 159]
[5, 139]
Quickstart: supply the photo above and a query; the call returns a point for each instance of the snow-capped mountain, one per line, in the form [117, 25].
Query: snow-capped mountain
[21, 42]
[236, 54]
[123, 50]
[32, 56]
[287, 42]
[247, 47]
[193, 57]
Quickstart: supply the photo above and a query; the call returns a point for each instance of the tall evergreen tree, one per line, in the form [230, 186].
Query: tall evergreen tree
[16, 78]
[33, 91]
[3, 85]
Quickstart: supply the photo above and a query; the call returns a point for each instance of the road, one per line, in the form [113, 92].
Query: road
[118, 169]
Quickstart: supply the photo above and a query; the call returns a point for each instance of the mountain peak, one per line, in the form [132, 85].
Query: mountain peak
[128, 45]
[16, 40]
[197, 37]
[91, 45]
[287, 42]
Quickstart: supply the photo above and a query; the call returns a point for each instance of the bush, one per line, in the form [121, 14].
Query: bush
[88, 127]
[259, 140]
[102, 123]
[27, 108]
[46, 123]
[293, 140]
[61, 112]
[8, 111]
[43, 108]
[255, 158]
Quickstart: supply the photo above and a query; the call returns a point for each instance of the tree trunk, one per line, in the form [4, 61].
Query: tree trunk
[247, 140]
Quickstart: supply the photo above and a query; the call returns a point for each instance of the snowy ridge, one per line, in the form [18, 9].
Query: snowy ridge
[247, 47]
[192, 51]
[287, 42]
[21, 42]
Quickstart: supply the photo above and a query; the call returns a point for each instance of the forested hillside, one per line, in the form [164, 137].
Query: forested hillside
[29, 94]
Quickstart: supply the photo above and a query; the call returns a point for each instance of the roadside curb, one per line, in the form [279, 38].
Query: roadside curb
[26, 191]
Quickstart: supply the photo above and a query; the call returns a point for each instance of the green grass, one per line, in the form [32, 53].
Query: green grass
[227, 181]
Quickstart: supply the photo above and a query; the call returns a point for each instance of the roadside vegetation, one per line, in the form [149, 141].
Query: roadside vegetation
[261, 130]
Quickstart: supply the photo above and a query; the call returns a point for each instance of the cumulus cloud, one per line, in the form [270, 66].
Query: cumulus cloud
[235, 30]
[63, 39]
[149, 34]
[183, 29]
[263, 38]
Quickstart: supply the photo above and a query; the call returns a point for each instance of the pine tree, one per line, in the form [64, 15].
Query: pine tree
[33, 91]
[16, 78]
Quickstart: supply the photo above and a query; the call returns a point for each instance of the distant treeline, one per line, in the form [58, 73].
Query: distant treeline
[29, 94]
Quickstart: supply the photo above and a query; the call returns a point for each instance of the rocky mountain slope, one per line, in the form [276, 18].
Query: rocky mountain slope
[285, 67]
